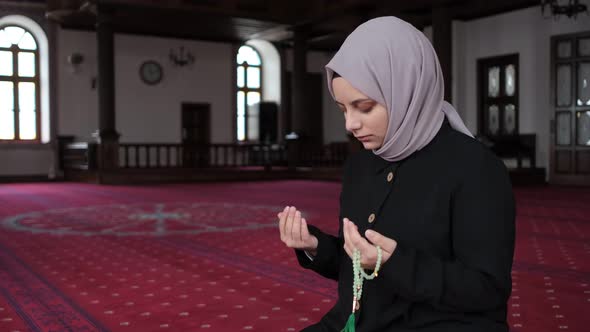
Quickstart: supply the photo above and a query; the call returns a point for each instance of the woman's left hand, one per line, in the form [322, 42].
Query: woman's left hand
[353, 240]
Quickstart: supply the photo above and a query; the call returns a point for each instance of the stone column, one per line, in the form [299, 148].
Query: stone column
[299, 111]
[109, 138]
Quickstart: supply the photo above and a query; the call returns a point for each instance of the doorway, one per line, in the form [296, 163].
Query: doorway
[498, 96]
[570, 116]
[196, 134]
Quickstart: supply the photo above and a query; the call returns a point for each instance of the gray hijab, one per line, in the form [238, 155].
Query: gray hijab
[394, 64]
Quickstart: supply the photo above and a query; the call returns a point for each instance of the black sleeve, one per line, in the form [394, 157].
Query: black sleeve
[327, 260]
[478, 277]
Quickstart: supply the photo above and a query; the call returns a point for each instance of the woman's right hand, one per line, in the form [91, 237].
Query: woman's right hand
[294, 232]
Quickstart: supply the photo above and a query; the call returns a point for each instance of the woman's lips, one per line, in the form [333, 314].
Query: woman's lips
[364, 138]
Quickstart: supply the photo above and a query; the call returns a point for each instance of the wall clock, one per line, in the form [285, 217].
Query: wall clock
[151, 72]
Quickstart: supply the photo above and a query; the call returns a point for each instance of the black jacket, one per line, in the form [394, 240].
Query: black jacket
[451, 209]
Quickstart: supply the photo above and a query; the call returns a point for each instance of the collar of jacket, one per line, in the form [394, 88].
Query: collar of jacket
[380, 164]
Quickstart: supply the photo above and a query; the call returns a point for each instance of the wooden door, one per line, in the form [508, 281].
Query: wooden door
[570, 110]
[196, 134]
[498, 97]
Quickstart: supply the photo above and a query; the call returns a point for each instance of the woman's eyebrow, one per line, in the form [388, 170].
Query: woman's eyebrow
[356, 101]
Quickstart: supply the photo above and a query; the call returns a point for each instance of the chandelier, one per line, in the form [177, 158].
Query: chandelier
[181, 58]
[569, 8]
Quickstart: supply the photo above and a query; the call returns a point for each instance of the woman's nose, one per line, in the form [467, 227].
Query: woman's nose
[352, 122]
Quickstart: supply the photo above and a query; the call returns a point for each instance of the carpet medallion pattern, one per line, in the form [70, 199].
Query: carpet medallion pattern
[207, 257]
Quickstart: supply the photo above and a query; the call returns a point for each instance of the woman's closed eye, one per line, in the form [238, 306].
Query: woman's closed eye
[364, 106]
[367, 109]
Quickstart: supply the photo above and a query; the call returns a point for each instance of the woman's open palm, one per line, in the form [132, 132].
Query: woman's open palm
[294, 232]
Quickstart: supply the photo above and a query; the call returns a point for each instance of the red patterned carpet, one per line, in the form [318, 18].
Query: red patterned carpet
[207, 257]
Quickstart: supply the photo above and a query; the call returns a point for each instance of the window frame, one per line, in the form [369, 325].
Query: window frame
[502, 99]
[245, 89]
[16, 79]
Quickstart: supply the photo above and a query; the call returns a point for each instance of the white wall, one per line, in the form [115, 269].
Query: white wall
[28, 160]
[153, 113]
[146, 113]
[524, 32]
[78, 102]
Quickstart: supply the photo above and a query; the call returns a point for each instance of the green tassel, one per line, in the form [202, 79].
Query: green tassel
[349, 327]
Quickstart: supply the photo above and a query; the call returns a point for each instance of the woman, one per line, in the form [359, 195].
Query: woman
[436, 203]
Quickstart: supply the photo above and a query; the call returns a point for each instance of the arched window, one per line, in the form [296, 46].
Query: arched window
[20, 118]
[249, 83]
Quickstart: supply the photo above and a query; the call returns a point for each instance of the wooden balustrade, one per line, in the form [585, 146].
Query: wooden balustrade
[165, 155]
[169, 155]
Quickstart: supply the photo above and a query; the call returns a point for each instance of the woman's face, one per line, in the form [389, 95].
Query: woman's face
[365, 118]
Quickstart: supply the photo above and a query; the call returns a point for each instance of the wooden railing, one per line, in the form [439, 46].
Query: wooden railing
[331, 155]
[83, 156]
[143, 155]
